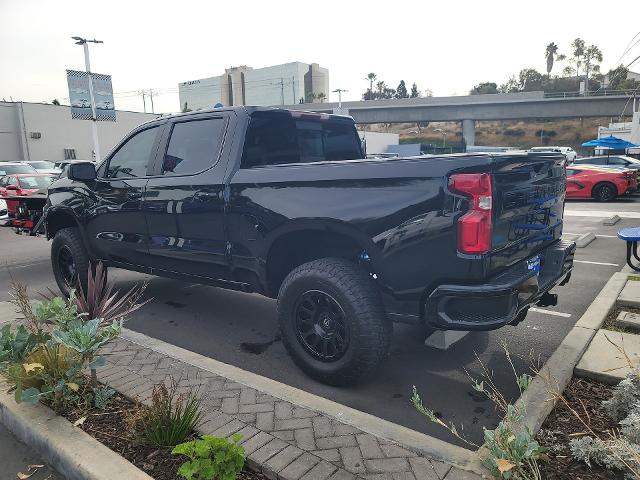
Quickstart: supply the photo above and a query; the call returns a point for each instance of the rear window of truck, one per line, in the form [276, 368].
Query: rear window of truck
[276, 138]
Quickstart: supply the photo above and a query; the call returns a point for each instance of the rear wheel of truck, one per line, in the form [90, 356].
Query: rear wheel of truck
[333, 321]
[605, 192]
[69, 260]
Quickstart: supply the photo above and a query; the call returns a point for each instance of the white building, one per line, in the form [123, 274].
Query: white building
[285, 84]
[629, 131]
[39, 131]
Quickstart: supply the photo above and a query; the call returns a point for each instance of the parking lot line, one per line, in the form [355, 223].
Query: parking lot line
[597, 263]
[597, 235]
[549, 312]
[599, 213]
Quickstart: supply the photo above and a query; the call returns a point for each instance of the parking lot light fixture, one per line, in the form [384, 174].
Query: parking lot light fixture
[444, 136]
[94, 127]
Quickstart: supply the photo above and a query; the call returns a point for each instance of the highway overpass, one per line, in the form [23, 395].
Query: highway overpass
[470, 108]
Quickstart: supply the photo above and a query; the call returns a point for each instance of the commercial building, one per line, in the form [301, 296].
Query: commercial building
[629, 131]
[38, 131]
[286, 84]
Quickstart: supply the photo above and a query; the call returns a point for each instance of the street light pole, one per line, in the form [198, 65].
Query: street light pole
[94, 126]
[339, 92]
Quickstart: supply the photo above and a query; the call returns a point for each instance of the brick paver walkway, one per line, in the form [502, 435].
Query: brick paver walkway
[281, 439]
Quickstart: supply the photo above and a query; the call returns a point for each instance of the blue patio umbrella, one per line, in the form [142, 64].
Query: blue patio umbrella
[611, 142]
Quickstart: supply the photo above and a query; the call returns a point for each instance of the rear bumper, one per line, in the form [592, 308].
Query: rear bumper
[499, 301]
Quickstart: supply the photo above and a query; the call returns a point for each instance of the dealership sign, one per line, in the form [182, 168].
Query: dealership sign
[80, 97]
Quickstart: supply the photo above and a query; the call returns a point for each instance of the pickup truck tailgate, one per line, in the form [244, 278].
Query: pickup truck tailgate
[528, 205]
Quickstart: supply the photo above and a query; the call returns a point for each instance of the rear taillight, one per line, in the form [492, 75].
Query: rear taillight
[474, 227]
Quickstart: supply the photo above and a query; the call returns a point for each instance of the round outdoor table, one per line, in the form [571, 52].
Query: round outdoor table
[631, 236]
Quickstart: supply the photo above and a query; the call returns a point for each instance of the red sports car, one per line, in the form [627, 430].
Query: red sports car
[602, 183]
[23, 184]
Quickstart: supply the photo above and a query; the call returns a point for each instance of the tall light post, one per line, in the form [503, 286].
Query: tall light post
[444, 136]
[339, 92]
[94, 127]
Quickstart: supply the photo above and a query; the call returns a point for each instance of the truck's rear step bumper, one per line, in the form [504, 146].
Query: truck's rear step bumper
[499, 301]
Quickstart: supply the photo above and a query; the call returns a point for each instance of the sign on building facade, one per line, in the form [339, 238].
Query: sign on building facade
[80, 98]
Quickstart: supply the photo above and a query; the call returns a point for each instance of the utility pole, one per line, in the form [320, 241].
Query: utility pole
[94, 127]
[339, 92]
[144, 102]
[151, 95]
[293, 90]
[281, 91]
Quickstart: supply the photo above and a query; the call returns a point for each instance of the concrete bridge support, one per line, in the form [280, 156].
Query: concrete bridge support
[469, 132]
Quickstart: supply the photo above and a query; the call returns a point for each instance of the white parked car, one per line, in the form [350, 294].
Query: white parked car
[568, 152]
[4, 212]
[44, 166]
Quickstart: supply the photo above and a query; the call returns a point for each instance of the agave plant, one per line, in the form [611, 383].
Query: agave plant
[100, 301]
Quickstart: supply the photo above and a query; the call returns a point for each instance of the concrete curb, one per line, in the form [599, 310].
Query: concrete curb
[412, 440]
[71, 451]
[536, 401]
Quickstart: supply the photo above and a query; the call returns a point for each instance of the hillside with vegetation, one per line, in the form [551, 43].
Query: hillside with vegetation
[515, 133]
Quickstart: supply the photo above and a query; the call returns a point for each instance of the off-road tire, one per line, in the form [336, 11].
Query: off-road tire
[352, 288]
[605, 192]
[69, 239]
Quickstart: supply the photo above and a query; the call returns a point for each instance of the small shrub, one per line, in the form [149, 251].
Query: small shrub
[514, 132]
[625, 395]
[171, 417]
[15, 344]
[617, 453]
[102, 395]
[211, 458]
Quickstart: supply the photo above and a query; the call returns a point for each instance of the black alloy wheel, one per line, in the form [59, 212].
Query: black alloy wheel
[321, 326]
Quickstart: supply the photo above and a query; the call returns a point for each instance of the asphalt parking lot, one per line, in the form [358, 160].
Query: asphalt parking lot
[241, 329]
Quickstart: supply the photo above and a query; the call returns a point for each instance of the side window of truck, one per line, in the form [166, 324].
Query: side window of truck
[194, 146]
[132, 158]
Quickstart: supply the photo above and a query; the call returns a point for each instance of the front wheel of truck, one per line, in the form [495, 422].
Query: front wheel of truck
[69, 260]
[333, 321]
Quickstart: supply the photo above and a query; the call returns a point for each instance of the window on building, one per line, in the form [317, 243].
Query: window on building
[132, 158]
[194, 146]
[275, 138]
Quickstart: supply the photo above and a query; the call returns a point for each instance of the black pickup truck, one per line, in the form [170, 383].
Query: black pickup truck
[284, 203]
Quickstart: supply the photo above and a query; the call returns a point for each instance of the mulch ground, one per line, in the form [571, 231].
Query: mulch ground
[112, 428]
[561, 426]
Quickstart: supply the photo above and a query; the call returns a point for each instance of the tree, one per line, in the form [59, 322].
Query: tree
[421, 125]
[578, 47]
[529, 80]
[551, 54]
[369, 95]
[185, 108]
[484, 88]
[311, 97]
[56, 102]
[401, 91]
[321, 96]
[592, 57]
[618, 79]
[380, 87]
[414, 91]
[372, 77]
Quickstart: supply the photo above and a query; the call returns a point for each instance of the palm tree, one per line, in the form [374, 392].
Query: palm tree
[372, 77]
[380, 86]
[321, 96]
[550, 54]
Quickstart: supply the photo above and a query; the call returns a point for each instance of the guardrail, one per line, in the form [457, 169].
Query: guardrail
[596, 93]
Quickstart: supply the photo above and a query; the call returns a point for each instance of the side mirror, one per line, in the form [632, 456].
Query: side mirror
[82, 171]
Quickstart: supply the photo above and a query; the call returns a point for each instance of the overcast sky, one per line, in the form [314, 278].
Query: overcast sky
[445, 46]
